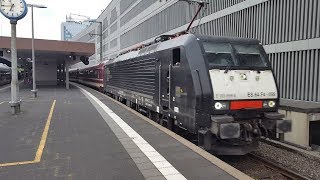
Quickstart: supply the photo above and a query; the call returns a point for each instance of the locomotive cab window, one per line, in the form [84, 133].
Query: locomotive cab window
[176, 57]
[221, 55]
[218, 54]
[250, 56]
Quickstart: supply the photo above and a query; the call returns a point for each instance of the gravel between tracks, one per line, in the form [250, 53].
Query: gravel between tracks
[306, 165]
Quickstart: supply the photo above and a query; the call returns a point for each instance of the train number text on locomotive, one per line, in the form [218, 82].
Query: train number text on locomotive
[261, 94]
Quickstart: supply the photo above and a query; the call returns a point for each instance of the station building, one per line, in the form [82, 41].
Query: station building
[288, 29]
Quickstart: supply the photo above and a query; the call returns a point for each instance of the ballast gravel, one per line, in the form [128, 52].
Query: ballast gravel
[306, 165]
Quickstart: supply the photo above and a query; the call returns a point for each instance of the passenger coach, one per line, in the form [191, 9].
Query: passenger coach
[90, 76]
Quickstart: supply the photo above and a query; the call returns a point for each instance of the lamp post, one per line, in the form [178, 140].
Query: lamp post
[100, 34]
[34, 90]
[14, 103]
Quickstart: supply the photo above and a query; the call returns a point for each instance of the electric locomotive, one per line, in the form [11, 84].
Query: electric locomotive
[220, 89]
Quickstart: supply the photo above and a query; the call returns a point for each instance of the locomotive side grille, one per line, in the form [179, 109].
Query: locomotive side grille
[136, 75]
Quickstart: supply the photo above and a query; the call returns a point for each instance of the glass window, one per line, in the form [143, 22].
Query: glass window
[176, 57]
[234, 55]
[250, 56]
[218, 54]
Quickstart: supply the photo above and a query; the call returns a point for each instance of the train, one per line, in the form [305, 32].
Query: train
[220, 90]
[5, 74]
[90, 76]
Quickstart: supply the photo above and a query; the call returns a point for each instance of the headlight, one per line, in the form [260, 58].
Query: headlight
[221, 106]
[269, 104]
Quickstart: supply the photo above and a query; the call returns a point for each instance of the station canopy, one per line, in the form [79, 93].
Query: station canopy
[49, 49]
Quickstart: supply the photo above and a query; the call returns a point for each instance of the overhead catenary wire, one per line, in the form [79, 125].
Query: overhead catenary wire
[199, 20]
[200, 4]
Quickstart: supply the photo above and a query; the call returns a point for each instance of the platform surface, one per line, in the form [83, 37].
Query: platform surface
[300, 106]
[90, 136]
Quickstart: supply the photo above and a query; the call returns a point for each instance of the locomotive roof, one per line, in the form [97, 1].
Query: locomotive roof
[89, 67]
[180, 41]
[226, 39]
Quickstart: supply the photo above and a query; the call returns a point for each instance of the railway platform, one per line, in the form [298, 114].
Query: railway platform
[82, 134]
[305, 118]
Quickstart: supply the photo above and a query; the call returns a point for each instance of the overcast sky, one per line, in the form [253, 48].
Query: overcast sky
[48, 21]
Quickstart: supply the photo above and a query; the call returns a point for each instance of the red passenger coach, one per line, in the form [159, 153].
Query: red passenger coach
[91, 76]
[73, 75]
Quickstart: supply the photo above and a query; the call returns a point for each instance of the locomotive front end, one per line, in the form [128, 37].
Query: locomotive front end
[245, 96]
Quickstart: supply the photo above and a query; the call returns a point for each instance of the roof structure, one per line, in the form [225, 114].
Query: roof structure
[49, 49]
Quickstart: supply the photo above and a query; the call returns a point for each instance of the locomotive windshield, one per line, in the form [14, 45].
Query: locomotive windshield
[231, 55]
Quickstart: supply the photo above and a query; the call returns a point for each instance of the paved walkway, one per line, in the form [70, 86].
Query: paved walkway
[82, 134]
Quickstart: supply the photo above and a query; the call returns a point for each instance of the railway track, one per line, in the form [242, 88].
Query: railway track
[278, 170]
[260, 168]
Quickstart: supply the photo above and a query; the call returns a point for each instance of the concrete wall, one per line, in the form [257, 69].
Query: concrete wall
[46, 72]
[300, 128]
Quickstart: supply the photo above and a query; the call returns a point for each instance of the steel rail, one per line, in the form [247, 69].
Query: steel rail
[290, 174]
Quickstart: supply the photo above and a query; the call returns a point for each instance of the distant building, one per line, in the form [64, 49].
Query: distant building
[289, 31]
[74, 24]
[70, 29]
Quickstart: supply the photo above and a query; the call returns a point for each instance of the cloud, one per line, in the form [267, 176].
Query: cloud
[47, 22]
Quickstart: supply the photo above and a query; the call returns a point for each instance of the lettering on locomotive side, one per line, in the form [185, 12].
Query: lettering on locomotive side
[225, 95]
[148, 100]
[147, 104]
[108, 74]
[121, 93]
[261, 94]
[108, 71]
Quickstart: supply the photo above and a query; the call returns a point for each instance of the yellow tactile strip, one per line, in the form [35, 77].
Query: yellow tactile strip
[42, 143]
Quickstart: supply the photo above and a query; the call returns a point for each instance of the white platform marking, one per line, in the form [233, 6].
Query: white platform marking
[6, 87]
[9, 86]
[168, 171]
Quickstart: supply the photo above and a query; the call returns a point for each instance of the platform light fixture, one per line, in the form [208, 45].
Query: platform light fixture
[34, 87]
[100, 34]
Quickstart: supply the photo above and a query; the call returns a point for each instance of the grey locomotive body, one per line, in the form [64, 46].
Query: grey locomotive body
[220, 89]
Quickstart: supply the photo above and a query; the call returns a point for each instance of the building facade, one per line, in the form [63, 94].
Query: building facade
[69, 29]
[288, 29]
